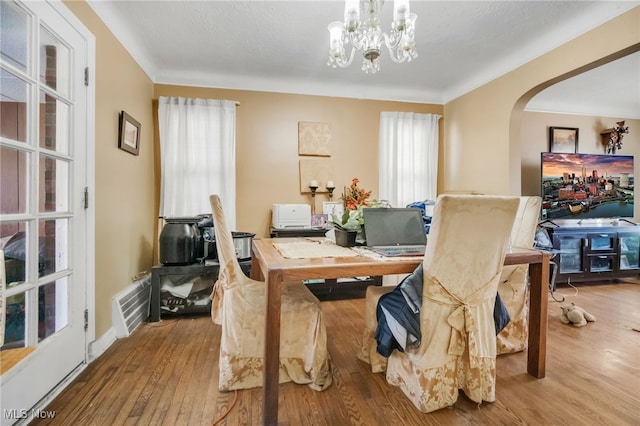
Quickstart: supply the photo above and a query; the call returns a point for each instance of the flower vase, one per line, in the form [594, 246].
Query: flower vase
[345, 238]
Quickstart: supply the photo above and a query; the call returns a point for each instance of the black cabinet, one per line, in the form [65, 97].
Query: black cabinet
[179, 290]
[298, 232]
[596, 251]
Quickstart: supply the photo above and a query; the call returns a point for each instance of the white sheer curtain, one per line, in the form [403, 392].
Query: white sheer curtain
[408, 167]
[198, 156]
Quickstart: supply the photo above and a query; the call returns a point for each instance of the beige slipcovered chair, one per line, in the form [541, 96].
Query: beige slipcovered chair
[462, 267]
[238, 306]
[368, 352]
[513, 288]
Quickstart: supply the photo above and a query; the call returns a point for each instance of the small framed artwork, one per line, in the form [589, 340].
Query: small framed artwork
[333, 208]
[129, 134]
[563, 139]
[319, 220]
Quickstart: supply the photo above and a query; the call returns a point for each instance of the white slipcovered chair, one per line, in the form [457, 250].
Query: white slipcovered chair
[514, 288]
[461, 272]
[238, 304]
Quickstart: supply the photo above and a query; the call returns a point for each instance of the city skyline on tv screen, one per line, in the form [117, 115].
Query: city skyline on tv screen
[578, 186]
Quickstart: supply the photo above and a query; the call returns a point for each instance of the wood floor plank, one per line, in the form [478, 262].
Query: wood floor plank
[168, 375]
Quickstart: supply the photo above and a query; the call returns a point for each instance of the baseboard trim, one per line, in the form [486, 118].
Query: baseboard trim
[100, 345]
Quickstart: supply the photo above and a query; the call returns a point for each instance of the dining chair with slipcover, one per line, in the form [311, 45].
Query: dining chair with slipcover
[514, 282]
[238, 306]
[461, 270]
[513, 290]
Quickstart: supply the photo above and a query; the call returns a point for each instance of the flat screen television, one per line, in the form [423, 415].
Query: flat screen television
[581, 186]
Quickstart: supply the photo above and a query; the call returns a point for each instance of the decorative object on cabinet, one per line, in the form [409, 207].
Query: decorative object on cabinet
[612, 138]
[333, 208]
[595, 251]
[314, 139]
[129, 134]
[319, 221]
[563, 139]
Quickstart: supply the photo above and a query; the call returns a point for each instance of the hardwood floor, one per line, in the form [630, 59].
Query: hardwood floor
[166, 373]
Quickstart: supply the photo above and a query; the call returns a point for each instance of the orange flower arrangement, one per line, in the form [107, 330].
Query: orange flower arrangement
[354, 197]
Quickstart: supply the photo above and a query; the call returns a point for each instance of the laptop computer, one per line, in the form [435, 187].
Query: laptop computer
[395, 231]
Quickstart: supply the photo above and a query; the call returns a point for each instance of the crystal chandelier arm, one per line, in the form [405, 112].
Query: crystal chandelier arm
[401, 44]
[350, 60]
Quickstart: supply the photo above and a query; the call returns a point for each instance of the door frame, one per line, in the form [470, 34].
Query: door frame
[88, 139]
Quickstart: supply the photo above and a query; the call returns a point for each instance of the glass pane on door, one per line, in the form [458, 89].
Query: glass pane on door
[54, 62]
[15, 321]
[54, 124]
[14, 41]
[53, 246]
[13, 175]
[53, 180]
[14, 238]
[14, 93]
[52, 308]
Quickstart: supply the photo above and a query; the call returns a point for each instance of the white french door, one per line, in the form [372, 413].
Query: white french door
[44, 220]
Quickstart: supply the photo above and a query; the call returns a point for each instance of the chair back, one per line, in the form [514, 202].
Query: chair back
[224, 239]
[524, 228]
[468, 240]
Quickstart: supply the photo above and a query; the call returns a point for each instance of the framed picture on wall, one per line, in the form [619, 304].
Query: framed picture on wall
[129, 134]
[563, 139]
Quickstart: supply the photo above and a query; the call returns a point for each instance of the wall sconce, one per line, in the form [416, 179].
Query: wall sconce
[330, 187]
[313, 186]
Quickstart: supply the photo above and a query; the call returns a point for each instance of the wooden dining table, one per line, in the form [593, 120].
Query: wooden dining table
[268, 264]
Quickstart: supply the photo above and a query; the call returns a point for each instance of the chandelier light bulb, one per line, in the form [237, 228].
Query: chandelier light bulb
[365, 35]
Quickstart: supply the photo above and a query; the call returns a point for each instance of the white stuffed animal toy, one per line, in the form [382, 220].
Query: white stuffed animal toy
[575, 315]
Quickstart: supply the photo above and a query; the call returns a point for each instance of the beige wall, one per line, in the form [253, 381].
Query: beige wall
[478, 149]
[124, 196]
[267, 145]
[482, 129]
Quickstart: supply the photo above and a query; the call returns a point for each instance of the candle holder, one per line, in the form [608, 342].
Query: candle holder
[313, 189]
[330, 189]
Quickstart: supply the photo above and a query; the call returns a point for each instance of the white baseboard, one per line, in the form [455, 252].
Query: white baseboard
[101, 344]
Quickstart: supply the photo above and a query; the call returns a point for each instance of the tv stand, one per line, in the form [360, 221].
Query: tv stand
[595, 250]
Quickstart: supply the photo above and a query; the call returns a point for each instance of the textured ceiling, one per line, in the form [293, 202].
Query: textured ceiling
[282, 46]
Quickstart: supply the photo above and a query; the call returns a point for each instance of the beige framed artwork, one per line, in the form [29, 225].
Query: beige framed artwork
[129, 134]
[563, 140]
[314, 139]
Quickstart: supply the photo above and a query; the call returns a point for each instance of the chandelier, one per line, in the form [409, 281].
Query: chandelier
[367, 36]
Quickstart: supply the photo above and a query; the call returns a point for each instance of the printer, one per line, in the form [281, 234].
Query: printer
[285, 216]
